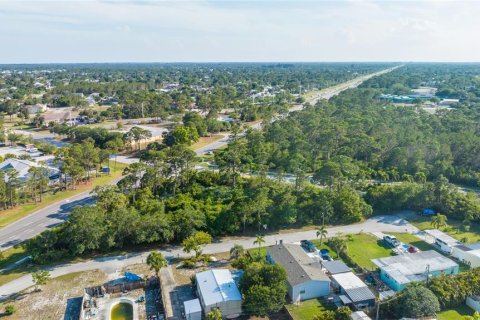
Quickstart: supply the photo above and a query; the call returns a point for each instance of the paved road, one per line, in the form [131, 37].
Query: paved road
[42, 219]
[112, 265]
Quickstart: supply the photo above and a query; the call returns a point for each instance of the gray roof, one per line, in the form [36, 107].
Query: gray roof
[360, 294]
[298, 265]
[335, 267]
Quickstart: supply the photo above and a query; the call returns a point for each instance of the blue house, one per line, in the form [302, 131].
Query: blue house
[398, 271]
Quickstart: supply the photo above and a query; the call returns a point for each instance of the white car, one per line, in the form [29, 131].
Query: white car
[391, 240]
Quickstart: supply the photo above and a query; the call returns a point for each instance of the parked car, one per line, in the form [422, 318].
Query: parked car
[326, 257]
[308, 246]
[391, 240]
[412, 249]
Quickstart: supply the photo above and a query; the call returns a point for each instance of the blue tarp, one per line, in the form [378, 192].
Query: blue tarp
[132, 276]
[428, 212]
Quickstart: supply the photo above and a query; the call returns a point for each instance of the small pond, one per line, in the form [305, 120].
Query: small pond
[122, 311]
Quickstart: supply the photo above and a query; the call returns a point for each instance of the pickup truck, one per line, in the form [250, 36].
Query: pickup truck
[391, 240]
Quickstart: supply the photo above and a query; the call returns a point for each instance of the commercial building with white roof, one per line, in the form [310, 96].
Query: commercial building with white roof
[217, 289]
[398, 271]
[442, 240]
[468, 253]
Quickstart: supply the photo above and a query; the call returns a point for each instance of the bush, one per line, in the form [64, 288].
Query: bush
[10, 309]
[189, 264]
[416, 301]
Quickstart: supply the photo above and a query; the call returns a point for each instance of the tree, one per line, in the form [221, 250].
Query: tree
[416, 301]
[338, 244]
[237, 251]
[322, 233]
[195, 243]
[475, 316]
[156, 261]
[264, 287]
[343, 313]
[215, 314]
[259, 240]
[325, 315]
[40, 278]
[439, 220]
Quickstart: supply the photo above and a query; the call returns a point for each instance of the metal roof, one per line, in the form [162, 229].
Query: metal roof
[360, 294]
[360, 315]
[348, 280]
[217, 286]
[298, 265]
[413, 267]
[437, 234]
[335, 267]
[192, 306]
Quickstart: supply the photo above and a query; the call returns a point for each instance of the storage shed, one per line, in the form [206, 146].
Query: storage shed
[352, 290]
[193, 310]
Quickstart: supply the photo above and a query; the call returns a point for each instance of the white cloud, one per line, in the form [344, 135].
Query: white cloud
[80, 31]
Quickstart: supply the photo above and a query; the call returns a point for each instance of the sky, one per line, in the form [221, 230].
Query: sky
[218, 31]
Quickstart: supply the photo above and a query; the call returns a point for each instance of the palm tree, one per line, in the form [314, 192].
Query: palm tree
[259, 240]
[439, 220]
[156, 261]
[236, 252]
[322, 233]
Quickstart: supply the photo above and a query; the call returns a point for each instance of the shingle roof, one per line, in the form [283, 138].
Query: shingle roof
[298, 265]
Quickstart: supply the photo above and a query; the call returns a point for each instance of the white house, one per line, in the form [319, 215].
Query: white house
[442, 240]
[217, 289]
[305, 277]
[468, 253]
[22, 167]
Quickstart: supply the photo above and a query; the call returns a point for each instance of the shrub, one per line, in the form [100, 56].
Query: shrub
[10, 309]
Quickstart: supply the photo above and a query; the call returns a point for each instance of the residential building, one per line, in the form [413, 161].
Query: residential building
[23, 169]
[442, 240]
[398, 271]
[352, 290]
[193, 310]
[359, 315]
[58, 117]
[37, 108]
[217, 289]
[305, 277]
[335, 267]
[449, 102]
[423, 93]
[468, 253]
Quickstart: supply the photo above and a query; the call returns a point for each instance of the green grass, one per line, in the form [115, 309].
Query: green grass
[12, 255]
[365, 247]
[455, 314]
[316, 242]
[306, 310]
[12, 215]
[256, 251]
[455, 230]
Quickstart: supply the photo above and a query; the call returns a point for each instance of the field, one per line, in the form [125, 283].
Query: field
[203, 141]
[306, 310]
[12, 215]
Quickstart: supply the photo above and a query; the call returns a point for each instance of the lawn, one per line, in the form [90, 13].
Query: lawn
[12, 215]
[324, 246]
[455, 314]
[364, 247]
[455, 229]
[306, 310]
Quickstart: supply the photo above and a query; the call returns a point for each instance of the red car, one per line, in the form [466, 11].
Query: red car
[412, 249]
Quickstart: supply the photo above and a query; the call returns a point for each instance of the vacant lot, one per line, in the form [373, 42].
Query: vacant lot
[364, 247]
[52, 301]
[306, 310]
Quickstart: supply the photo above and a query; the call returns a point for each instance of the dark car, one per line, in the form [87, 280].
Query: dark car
[308, 246]
[412, 249]
[326, 257]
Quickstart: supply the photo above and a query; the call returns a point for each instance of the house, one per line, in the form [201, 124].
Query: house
[442, 240]
[449, 102]
[193, 310]
[398, 271]
[58, 117]
[352, 290]
[335, 267]
[468, 253]
[474, 303]
[217, 289]
[305, 277]
[423, 93]
[22, 167]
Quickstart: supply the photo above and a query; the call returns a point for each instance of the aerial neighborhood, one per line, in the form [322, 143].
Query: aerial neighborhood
[250, 160]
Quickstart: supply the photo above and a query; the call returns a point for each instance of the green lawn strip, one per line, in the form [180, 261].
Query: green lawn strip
[258, 251]
[306, 310]
[12, 215]
[365, 247]
[12, 255]
[455, 230]
[455, 314]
